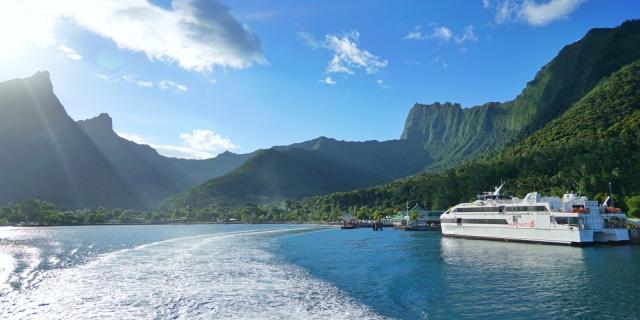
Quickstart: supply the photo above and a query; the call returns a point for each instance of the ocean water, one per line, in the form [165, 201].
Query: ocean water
[305, 272]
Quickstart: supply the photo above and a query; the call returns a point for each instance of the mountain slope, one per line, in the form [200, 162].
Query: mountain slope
[47, 156]
[440, 136]
[390, 159]
[198, 171]
[273, 175]
[595, 142]
[149, 175]
[451, 134]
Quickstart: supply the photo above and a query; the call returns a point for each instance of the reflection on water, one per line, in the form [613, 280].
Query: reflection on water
[282, 272]
[225, 274]
[422, 275]
[487, 278]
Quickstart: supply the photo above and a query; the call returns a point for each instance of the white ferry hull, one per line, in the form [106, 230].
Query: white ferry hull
[568, 236]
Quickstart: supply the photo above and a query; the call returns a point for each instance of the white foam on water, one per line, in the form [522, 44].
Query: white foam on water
[7, 266]
[229, 275]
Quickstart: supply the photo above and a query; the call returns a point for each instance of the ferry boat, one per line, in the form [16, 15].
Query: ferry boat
[572, 219]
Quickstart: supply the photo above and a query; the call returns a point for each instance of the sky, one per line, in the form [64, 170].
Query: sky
[194, 78]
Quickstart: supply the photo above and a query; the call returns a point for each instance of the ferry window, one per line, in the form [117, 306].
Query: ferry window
[485, 221]
[562, 220]
[573, 221]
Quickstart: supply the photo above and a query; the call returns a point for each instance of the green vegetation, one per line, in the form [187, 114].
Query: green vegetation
[38, 212]
[41, 213]
[574, 127]
[440, 137]
[451, 134]
[595, 142]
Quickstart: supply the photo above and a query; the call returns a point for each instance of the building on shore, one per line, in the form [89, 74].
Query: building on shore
[416, 216]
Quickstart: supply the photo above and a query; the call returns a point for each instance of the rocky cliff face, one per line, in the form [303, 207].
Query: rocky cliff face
[450, 133]
[46, 155]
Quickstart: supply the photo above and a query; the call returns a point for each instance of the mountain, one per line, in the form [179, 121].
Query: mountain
[46, 155]
[273, 175]
[313, 167]
[149, 175]
[594, 142]
[390, 159]
[440, 136]
[49, 156]
[198, 171]
[451, 133]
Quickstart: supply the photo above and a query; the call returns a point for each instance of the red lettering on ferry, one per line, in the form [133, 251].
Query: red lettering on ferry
[532, 224]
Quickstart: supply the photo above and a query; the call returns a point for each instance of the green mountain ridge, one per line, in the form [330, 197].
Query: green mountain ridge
[49, 156]
[441, 136]
[452, 134]
[595, 142]
[307, 173]
[87, 165]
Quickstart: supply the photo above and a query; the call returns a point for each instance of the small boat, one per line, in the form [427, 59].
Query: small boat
[348, 226]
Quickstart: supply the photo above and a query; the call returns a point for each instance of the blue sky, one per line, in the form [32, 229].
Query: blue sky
[195, 78]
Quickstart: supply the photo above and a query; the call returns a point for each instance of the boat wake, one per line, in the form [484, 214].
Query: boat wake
[228, 275]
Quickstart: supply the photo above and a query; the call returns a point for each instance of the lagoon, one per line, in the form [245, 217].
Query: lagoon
[305, 271]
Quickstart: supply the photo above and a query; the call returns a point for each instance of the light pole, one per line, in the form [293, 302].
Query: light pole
[611, 194]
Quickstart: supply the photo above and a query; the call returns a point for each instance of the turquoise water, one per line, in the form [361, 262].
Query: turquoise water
[305, 272]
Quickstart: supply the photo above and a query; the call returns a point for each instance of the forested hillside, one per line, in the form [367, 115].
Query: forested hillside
[437, 136]
[451, 133]
[595, 142]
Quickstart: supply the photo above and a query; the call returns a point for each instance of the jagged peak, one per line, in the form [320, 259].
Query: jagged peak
[37, 80]
[437, 104]
[43, 74]
[103, 122]
[40, 78]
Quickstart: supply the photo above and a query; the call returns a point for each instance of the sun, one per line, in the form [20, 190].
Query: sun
[21, 26]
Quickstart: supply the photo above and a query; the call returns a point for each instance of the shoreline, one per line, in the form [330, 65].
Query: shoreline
[171, 223]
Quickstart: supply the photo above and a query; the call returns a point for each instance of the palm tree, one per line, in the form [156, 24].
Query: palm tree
[414, 216]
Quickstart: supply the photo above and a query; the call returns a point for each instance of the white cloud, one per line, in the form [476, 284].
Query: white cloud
[181, 152]
[207, 140]
[132, 137]
[545, 13]
[535, 13]
[382, 84]
[144, 84]
[437, 32]
[485, 4]
[131, 79]
[167, 84]
[199, 144]
[442, 33]
[69, 53]
[328, 80]
[439, 61]
[309, 40]
[107, 78]
[347, 56]
[467, 35]
[196, 34]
